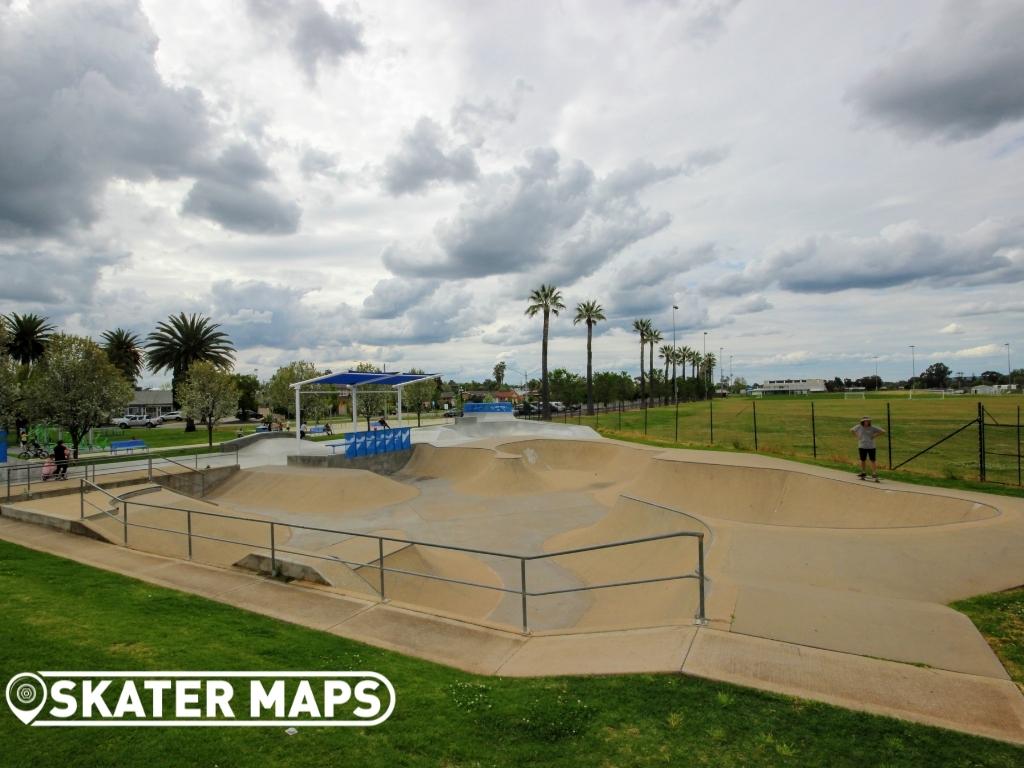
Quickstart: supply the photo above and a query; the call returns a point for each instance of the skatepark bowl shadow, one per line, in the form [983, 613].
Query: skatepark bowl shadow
[793, 553]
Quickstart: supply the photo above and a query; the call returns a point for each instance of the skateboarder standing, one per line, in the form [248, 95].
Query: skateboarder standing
[866, 434]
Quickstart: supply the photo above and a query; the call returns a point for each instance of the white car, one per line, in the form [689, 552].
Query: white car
[134, 420]
[171, 416]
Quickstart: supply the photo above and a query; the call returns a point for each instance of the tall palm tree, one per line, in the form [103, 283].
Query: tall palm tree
[643, 327]
[695, 361]
[181, 340]
[27, 336]
[667, 353]
[682, 357]
[653, 337]
[124, 350]
[589, 312]
[546, 299]
[710, 361]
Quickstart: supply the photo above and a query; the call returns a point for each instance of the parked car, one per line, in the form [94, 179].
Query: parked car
[135, 420]
[451, 414]
[172, 416]
[557, 406]
[244, 414]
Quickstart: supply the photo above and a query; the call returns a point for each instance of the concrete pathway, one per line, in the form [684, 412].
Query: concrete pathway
[978, 704]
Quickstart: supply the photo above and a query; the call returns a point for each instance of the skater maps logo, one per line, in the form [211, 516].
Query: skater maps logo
[196, 699]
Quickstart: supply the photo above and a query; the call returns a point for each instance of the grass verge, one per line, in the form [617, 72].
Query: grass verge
[1000, 618]
[59, 614]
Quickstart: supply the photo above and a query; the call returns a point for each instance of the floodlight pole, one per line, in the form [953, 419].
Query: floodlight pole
[675, 388]
[1009, 371]
[913, 370]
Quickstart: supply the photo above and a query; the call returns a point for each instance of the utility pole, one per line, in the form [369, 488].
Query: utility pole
[913, 370]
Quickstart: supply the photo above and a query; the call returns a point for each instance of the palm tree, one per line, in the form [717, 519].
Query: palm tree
[643, 327]
[667, 353]
[27, 336]
[654, 337]
[181, 340]
[589, 312]
[682, 357]
[124, 350]
[695, 361]
[546, 299]
[499, 374]
[710, 361]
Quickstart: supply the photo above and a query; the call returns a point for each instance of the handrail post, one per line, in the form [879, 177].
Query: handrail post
[125, 523]
[149, 461]
[380, 563]
[273, 551]
[701, 615]
[81, 499]
[522, 592]
[188, 520]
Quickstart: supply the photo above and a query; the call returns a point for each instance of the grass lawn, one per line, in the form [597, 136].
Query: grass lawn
[58, 614]
[784, 428]
[1000, 618]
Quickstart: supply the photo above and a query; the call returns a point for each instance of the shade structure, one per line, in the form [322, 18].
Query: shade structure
[353, 380]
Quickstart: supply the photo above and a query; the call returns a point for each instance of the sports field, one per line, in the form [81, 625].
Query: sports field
[787, 427]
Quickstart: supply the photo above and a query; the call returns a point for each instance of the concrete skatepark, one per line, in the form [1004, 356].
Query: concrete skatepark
[817, 584]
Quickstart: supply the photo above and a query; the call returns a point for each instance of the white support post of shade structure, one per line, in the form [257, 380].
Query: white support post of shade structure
[399, 390]
[355, 409]
[298, 417]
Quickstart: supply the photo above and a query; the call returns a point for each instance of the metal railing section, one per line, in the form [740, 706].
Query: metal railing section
[379, 566]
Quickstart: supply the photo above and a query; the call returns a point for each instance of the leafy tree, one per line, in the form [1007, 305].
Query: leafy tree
[499, 374]
[643, 327]
[992, 377]
[371, 403]
[10, 390]
[208, 394]
[589, 312]
[567, 387]
[26, 336]
[936, 375]
[248, 387]
[76, 386]
[281, 397]
[416, 394]
[613, 387]
[181, 340]
[548, 300]
[124, 350]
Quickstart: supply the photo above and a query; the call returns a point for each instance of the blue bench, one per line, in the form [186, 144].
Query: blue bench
[127, 445]
[374, 442]
[317, 430]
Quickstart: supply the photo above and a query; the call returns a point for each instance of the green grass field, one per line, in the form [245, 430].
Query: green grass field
[784, 428]
[1000, 618]
[63, 615]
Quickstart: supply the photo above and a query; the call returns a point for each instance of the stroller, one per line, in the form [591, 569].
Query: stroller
[49, 468]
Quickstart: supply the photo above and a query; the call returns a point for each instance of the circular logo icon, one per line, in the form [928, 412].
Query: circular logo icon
[26, 695]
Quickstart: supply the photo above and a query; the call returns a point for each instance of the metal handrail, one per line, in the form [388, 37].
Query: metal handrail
[380, 567]
[114, 464]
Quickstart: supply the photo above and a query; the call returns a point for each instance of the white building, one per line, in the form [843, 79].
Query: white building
[793, 386]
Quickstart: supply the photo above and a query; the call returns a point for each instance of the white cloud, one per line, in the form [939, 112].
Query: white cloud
[952, 328]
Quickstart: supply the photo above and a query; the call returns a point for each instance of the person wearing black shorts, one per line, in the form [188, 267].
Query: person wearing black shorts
[62, 456]
[866, 434]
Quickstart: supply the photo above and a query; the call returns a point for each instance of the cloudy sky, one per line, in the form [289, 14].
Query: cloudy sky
[814, 184]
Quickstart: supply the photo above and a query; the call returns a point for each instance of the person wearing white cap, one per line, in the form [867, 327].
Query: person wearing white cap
[866, 434]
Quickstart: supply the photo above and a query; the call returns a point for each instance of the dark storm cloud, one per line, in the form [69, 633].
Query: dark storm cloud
[256, 313]
[59, 277]
[83, 103]
[991, 253]
[443, 315]
[964, 80]
[550, 218]
[394, 296]
[427, 156]
[315, 38]
[232, 192]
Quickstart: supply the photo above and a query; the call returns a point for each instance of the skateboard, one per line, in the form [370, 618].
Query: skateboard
[864, 476]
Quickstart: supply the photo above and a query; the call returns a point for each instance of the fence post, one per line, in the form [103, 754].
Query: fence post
[149, 461]
[1018, 446]
[81, 499]
[273, 552]
[814, 433]
[677, 420]
[888, 430]
[701, 616]
[125, 523]
[28, 478]
[753, 404]
[620, 417]
[645, 418]
[981, 441]
[380, 561]
[711, 418]
[188, 520]
[8, 482]
[522, 592]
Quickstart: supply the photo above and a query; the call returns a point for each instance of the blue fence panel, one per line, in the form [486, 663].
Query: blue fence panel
[3, 447]
[487, 408]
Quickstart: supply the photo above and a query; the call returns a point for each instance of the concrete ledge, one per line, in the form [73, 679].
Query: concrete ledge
[50, 521]
[230, 446]
[380, 463]
[196, 484]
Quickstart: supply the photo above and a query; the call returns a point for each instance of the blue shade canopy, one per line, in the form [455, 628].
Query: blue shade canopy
[357, 379]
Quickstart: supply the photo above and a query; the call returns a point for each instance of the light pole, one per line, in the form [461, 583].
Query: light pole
[913, 370]
[721, 365]
[1009, 380]
[675, 389]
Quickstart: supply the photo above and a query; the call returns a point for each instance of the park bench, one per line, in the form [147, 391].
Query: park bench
[373, 442]
[317, 430]
[127, 445]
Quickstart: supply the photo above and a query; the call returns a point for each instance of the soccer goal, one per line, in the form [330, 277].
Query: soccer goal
[853, 396]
